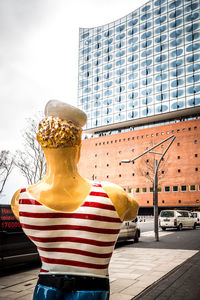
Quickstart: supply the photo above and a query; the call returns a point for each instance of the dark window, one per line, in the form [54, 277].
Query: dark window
[103, 143]
[196, 155]
[120, 164]
[115, 141]
[133, 174]
[148, 201]
[107, 153]
[95, 144]
[178, 157]
[133, 138]
[167, 188]
[195, 128]
[175, 188]
[183, 188]
[107, 142]
[192, 188]
[163, 172]
[120, 175]
[163, 201]
[179, 170]
[178, 144]
[107, 176]
[107, 165]
[196, 169]
[133, 150]
[151, 190]
[189, 129]
[195, 141]
[137, 190]
[119, 140]
[95, 166]
[147, 173]
[128, 139]
[179, 201]
[95, 155]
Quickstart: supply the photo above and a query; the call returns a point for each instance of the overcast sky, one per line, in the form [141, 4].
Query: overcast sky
[39, 57]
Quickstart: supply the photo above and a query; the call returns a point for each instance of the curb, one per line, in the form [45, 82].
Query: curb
[166, 281]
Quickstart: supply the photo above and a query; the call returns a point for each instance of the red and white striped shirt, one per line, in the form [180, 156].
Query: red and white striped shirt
[79, 242]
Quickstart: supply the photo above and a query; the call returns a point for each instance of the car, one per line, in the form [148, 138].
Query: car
[176, 219]
[15, 247]
[196, 215]
[129, 230]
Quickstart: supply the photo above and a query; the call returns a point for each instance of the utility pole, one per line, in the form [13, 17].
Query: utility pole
[155, 200]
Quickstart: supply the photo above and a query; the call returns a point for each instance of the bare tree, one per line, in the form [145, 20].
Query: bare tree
[6, 166]
[146, 167]
[31, 161]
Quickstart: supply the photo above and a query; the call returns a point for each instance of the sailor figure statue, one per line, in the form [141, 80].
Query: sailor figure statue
[73, 222]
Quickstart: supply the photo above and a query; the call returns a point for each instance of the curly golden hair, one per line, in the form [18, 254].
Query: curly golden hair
[54, 132]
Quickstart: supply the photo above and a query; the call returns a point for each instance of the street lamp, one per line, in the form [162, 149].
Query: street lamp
[155, 182]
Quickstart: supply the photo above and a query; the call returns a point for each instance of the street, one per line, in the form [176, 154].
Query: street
[170, 239]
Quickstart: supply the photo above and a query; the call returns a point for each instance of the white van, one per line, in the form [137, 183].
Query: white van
[196, 215]
[176, 219]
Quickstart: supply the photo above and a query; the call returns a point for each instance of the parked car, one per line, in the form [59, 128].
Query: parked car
[15, 246]
[196, 215]
[176, 219]
[129, 230]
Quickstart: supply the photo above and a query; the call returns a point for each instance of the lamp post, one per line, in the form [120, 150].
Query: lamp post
[155, 182]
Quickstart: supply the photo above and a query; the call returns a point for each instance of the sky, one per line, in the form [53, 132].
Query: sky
[39, 59]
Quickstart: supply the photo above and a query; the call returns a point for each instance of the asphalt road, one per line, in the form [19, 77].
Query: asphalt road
[187, 239]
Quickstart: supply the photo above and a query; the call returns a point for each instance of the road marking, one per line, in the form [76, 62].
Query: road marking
[152, 233]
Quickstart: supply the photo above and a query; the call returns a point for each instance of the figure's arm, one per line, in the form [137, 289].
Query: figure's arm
[15, 204]
[125, 205]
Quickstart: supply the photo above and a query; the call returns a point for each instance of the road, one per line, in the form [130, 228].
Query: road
[187, 239]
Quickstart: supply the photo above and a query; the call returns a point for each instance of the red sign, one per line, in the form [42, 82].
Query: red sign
[8, 221]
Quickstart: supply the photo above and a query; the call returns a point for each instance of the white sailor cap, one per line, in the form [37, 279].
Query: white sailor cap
[55, 108]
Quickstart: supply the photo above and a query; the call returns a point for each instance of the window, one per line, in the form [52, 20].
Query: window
[111, 142]
[107, 142]
[119, 140]
[162, 172]
[107, 153]
[95, 155]
[167, 188]
[96, 144]
[157, 134]
[133, 150]
[144, 190]
[120, 175]
[189, 129]
[159, 189]
[196, 169]
[147, 201]
[129, 190]
[99, 144]
[120, 152]
[179, 201]
[195, 141]
[163, 201]
[95, 166]
[196, 155]
[103, 143]
[162, 133]
[147, 173]
[128, 139]
[192, 188]
[183, 188]
[107, 165]
[199, 187]
[124, 140]
[178, 157]
[175, 188]
[137, 190]
[151, 190]
[133, 174]
[147, 135]
[178, 130]
[115, 141]
[120, 164]
[183, 131]
[179, 171]
[133, 138]
[178, 144]
[195, 127]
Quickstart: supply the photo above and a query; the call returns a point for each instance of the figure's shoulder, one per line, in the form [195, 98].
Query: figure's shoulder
[15, 203]
[112, 188]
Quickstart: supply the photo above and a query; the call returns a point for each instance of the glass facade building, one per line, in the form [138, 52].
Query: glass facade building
[144, 66]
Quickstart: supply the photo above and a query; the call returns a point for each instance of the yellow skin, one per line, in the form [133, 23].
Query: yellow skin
[63, 189]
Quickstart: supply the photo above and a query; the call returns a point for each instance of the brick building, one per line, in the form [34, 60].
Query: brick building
[179, 175]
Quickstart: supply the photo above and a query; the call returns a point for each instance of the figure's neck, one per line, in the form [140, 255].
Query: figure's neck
[61, 163]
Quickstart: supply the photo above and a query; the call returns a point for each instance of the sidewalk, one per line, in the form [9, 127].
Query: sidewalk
[133, 273]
